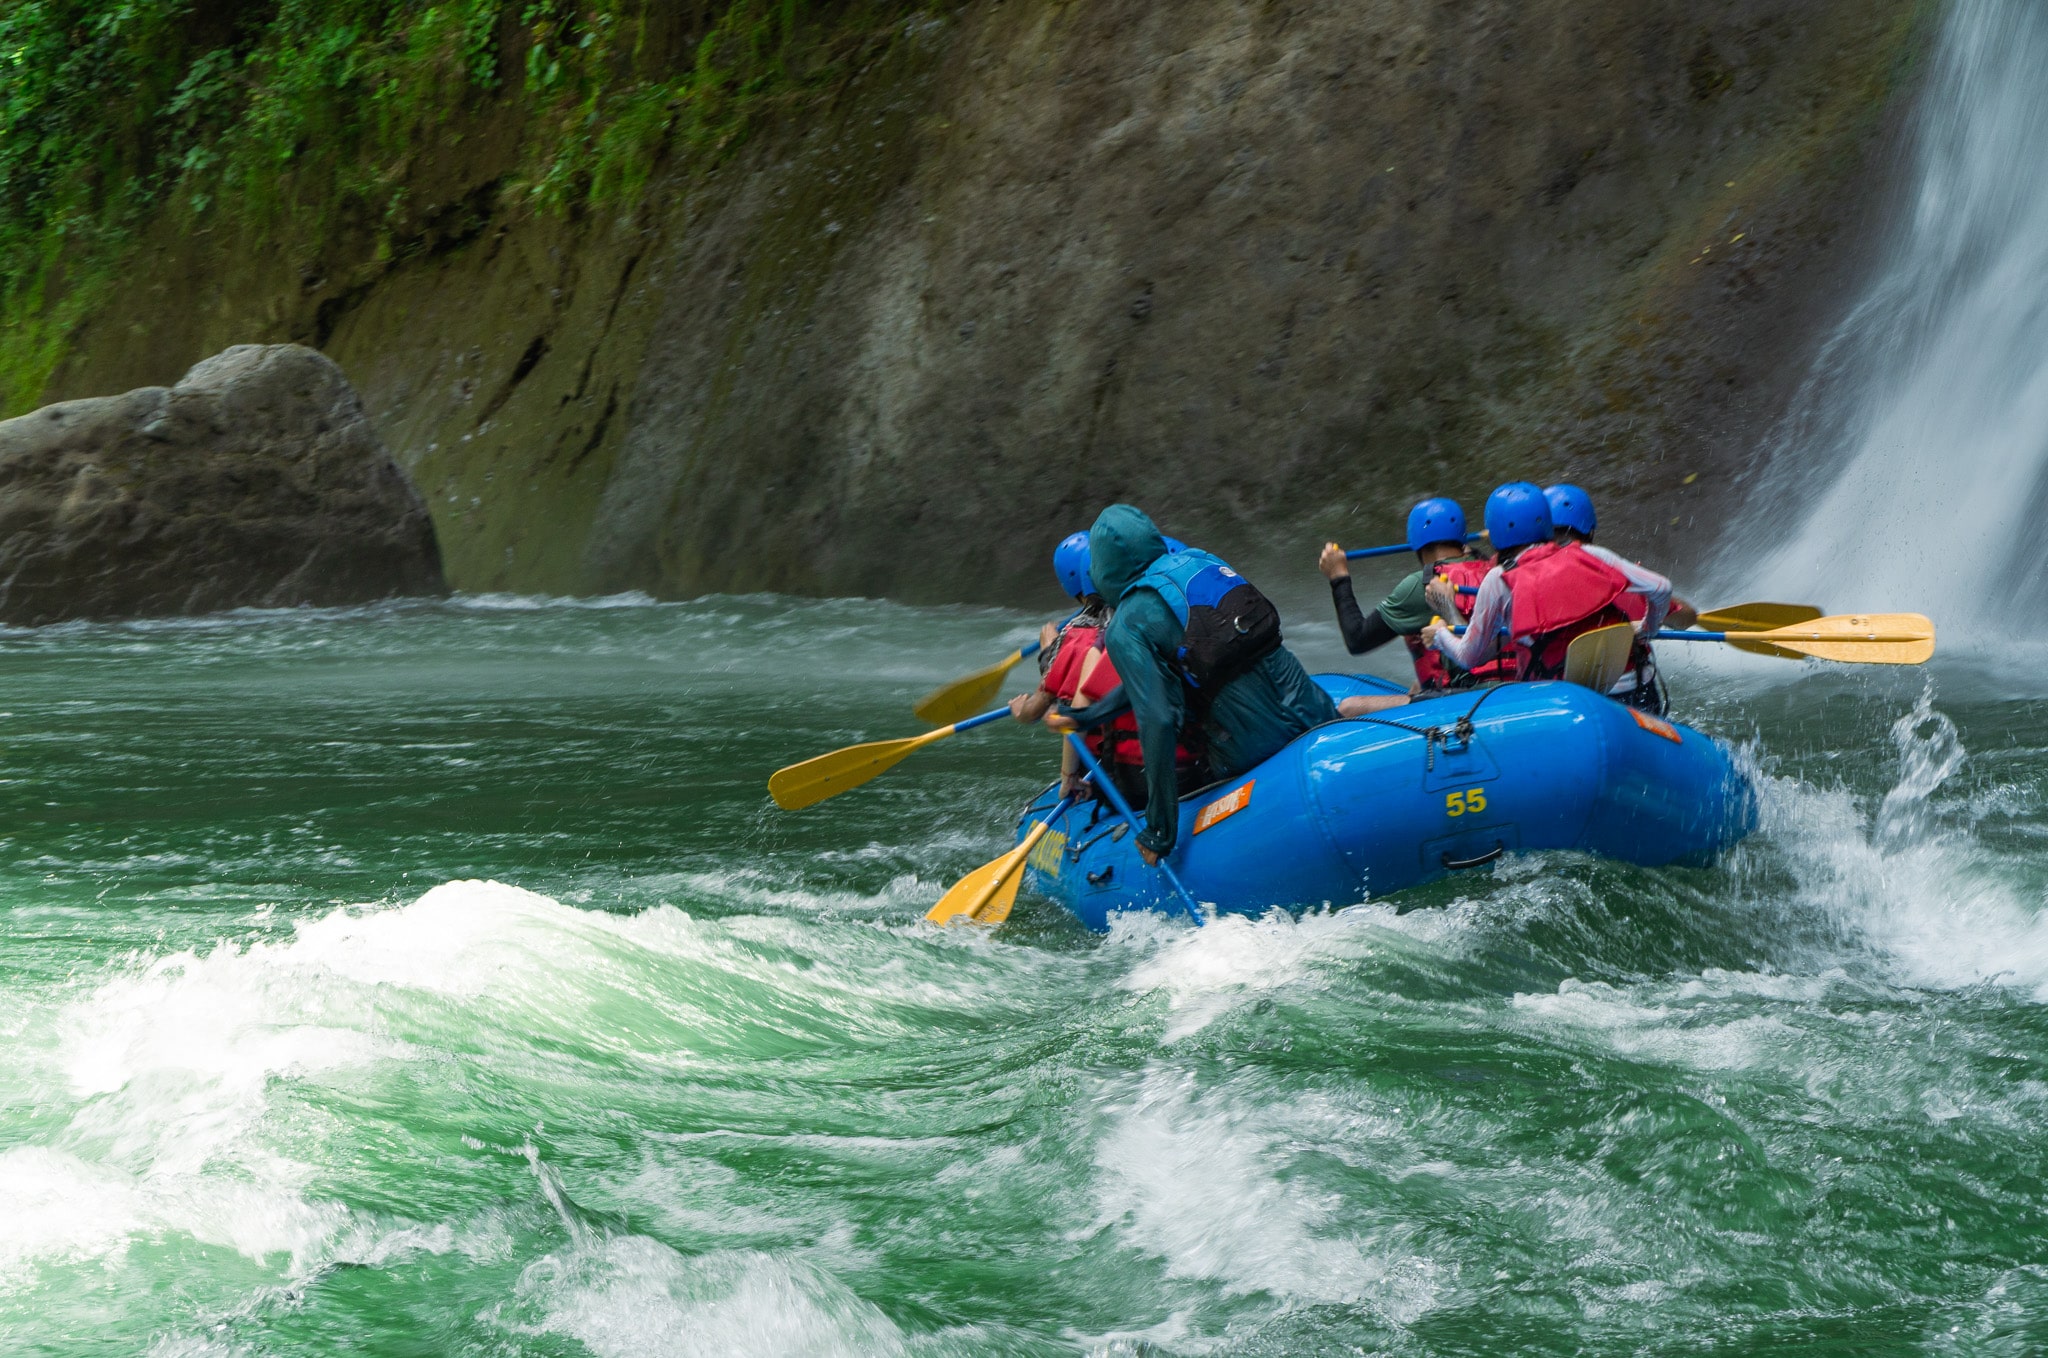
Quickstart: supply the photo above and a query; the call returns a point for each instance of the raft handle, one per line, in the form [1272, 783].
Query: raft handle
[1114, 834]
[1098, 878]
[1499, 850]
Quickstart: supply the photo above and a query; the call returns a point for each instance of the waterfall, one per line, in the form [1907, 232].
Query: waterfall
[1920, 442]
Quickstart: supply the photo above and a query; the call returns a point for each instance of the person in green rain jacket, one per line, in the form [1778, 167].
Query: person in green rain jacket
[1250, 718]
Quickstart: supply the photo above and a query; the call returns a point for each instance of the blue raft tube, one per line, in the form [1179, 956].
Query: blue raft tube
[1377, 804]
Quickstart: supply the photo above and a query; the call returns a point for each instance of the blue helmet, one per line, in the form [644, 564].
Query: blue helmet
[1173, 544]
[1070, 564]
[1517, 515]
[1571, 508]
[1436, 520]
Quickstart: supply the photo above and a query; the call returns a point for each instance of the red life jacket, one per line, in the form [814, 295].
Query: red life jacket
[1115, 741]
[1559, 593]
[1465, 574]
[1636, 608]
[1432, 671]
[1069, 653]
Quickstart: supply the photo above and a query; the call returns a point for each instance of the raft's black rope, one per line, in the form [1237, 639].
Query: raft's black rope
[1463, 723]
[1435, 735]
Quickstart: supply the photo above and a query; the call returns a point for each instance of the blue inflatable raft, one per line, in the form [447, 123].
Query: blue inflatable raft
[1374, 805]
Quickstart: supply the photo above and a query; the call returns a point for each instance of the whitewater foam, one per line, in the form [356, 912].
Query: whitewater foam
[634, 1297]
[194, 1076]
[192, 1346]
[1909, 879]
[1200, 1178]
[1631, 1022]
[60, 1208]
[1209, 972]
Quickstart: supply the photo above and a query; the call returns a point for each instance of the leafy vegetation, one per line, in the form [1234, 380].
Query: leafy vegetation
[303, 114]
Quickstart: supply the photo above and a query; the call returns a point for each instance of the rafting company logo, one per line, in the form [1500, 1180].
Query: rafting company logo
[1224, 807]
[1045, 855]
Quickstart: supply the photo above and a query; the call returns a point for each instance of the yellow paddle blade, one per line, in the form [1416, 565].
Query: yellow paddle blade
[1856, 638]
[828, 775]
[1597, 659]
[1757, 617]
[985, 895]
[964, 697]
[1765, 648]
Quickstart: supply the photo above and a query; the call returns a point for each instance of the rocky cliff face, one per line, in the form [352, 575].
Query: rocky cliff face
[256, 481]
[1270, 270]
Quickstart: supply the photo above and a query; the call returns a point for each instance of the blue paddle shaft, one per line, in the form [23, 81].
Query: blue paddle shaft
[1657, 636]
[1066, 805]
[1123, 808]
[1359, 554]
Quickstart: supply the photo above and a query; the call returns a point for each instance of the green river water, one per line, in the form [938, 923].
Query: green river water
[437, 979]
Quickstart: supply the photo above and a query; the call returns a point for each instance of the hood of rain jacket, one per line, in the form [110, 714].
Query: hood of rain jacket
[1123, 542]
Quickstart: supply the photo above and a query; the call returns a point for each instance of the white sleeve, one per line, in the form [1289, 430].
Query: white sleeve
[1655, 589]
[1489, 614]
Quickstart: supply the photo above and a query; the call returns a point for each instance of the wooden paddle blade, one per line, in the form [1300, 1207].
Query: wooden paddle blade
[1757, 617]
[985, 895]
[1597, 659]
[828, 775]
[1859, 638]
[965, 696]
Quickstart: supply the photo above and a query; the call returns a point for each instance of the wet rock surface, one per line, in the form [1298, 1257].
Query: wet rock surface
[256, 481]
[1273, 272]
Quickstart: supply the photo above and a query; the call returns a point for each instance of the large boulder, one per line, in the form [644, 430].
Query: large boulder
[256, 481]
